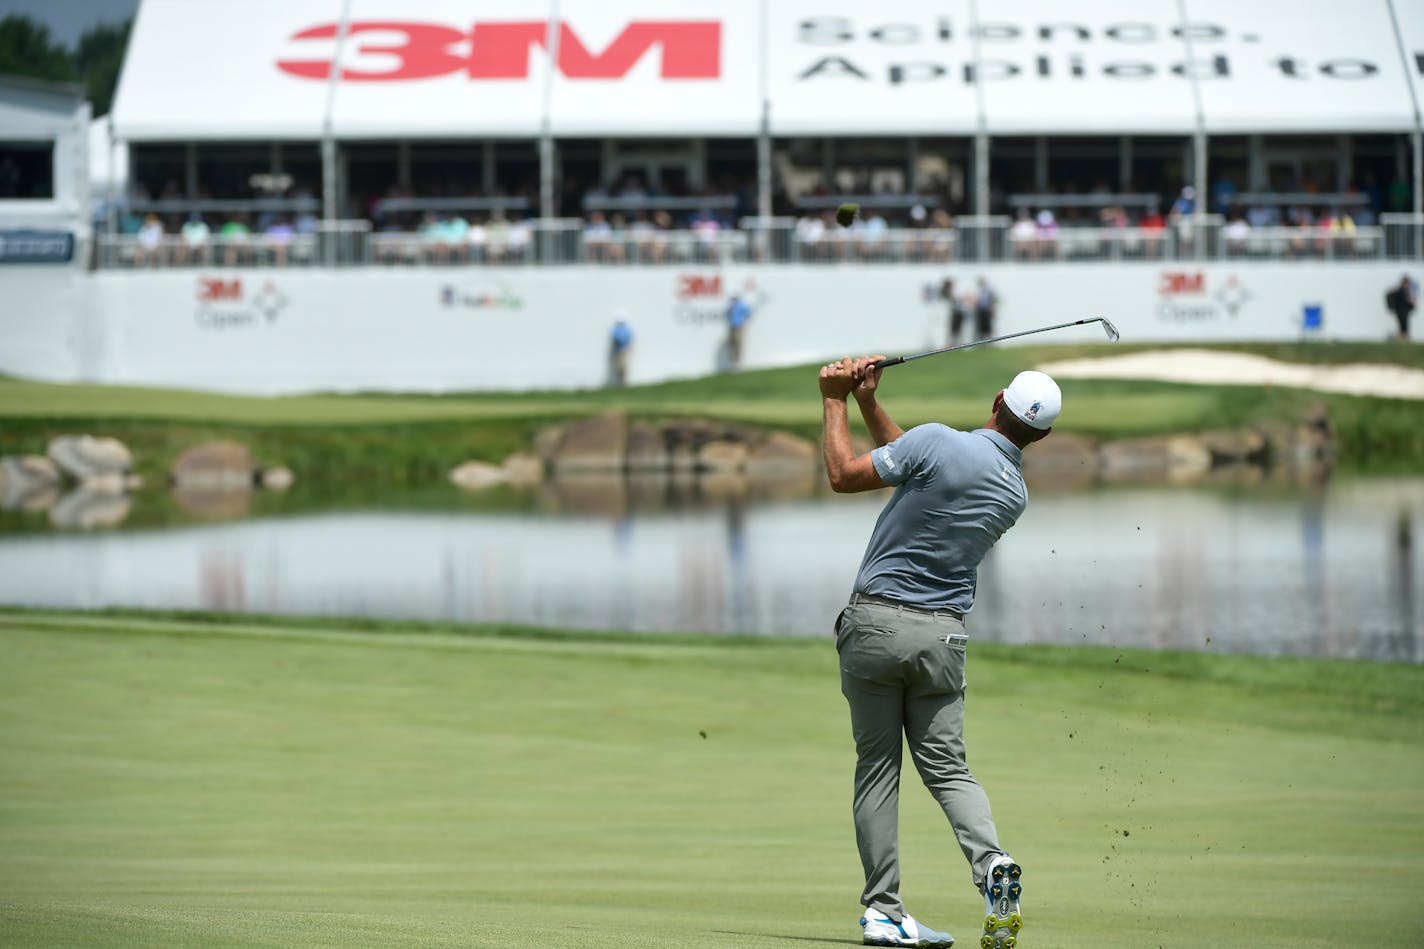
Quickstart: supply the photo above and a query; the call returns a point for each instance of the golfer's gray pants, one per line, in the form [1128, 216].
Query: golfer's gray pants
[902, 671]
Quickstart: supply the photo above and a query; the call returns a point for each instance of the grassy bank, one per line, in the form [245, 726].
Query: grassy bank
[202, 781]
[411, 439]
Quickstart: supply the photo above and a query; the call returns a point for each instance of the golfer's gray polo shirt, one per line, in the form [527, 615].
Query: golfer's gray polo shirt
[956, 493]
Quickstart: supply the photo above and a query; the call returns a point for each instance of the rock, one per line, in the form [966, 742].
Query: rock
[222, 465]
[276, 478]
[28, 482]
[524, 469]
[84, 456]
[547, 442]
[1238, 446]
[478, 475]
[598, 443]
[1139, 457]
[722, 457]
[86, 510]
[647, 448]
[782, 453]
[1062, 460]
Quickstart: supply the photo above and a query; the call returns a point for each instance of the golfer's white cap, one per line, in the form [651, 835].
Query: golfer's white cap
[1034, 398]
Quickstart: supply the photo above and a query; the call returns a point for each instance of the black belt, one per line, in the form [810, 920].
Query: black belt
[897, 605]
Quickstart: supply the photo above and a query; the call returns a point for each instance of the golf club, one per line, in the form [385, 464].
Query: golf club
[1108, 328]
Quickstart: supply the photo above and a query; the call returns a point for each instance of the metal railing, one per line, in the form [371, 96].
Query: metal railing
[808, 241]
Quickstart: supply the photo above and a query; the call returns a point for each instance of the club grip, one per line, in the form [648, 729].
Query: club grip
[882, 363]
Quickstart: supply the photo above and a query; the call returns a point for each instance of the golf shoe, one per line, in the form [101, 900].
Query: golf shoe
[881, 930]
[1003, 920]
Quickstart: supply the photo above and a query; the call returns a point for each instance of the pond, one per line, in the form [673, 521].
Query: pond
[1319, 571]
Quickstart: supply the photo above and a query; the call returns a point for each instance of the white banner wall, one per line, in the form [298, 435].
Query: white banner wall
[277, 331]
[215, 69]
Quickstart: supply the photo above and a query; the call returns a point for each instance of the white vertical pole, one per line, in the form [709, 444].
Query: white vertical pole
[546, 127]
[764, 130]
[981, 124]
[328, 134]
[1198, 139]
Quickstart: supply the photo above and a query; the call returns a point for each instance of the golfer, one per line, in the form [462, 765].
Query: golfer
[902, 639]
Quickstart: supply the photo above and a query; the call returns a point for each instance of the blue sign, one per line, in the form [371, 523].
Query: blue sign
[36, 247]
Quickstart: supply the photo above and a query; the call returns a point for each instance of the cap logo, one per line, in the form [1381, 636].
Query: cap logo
[1032, 412]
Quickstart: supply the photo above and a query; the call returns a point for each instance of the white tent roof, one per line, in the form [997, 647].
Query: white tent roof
[214, 69]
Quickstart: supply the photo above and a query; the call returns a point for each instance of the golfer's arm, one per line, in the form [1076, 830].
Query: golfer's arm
[883, 429]
[847, 473]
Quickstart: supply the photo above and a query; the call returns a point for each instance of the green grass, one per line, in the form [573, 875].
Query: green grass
[189, 780]
[409, 439]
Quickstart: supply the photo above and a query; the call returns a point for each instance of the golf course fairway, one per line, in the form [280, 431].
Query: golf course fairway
[209, 781]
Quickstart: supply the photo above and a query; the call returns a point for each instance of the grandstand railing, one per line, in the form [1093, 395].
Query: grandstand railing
[806, 241]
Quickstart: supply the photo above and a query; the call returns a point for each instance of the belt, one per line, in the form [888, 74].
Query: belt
[897, 605]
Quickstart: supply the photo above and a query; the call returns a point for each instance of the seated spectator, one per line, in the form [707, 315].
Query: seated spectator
[942, 235]
[497, 237]
[872, 236]
[1236, 233]
[234, 237]
[278, 238]
[597, 235]
[1153, 228]
[1337, 231]
[472, 240]
[1299, 221]
[641, 235]
[810, 232]
[457, 237]
[521, 235]
[194, 240]
[149, 249]
[1046, 240]
[434, 237]
[1022, 234]
[617, 238]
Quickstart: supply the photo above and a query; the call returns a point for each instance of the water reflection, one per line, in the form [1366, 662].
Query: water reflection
[1327, 570]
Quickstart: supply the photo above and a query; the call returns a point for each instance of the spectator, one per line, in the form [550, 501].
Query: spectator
[1046, 234]
[194, 240]
[1236, 234]
[986, 306]
[641, 235]
[150, 242]
[1022, 234]
[706, 226]
[810, 232]
[234, 236]
[617, 238]
[597, 235]
[496, 236]
[1153, 227]
[872, 236]
[620, 345]
[1341, 233]
[739, 313]
[957, 311]
[521, 235]
[1401, 302]
[278, 238]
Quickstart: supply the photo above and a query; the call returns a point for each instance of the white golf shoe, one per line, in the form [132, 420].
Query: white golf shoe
[1003, 920]
[881, 930]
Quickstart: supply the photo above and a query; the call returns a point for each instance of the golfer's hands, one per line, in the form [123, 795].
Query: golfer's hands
[837, 379]
[867, 378]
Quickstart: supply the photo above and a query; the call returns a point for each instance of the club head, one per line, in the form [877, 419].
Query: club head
[1113, 334]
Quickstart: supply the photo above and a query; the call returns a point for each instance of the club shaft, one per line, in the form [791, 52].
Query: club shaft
[882, 363]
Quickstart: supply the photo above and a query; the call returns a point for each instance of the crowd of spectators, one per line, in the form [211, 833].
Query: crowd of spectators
[628, 222]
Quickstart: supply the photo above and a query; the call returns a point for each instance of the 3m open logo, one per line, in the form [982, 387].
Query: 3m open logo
[385, 51]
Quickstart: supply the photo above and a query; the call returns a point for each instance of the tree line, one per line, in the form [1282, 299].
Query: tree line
[28, 49]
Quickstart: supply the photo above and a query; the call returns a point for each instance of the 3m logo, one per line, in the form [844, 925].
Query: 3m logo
[690, 286]
[218, 290]
[388, 50]
[1174, 283]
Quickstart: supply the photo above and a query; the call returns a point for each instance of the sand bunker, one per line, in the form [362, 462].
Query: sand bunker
[1214, 367]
